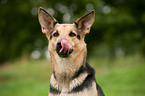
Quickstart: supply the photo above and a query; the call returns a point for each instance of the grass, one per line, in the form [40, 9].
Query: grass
[124, 82]
[29, 78]
[125, 77]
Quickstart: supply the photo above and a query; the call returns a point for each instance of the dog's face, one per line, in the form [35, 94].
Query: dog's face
[66, 40]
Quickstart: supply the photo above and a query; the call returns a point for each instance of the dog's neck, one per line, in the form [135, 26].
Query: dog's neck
[65, 68]
[65, 71]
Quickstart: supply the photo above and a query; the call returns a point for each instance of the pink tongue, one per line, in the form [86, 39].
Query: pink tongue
[66, 46]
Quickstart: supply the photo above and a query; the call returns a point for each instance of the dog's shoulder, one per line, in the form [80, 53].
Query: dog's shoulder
[100, 91]
[88, 80]
[90, 69]
[92, 74]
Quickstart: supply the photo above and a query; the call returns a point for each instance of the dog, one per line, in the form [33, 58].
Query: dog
[72, 75]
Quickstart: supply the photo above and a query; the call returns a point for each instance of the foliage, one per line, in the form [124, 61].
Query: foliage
[119, 24]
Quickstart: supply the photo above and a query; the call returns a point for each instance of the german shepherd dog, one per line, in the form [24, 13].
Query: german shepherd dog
[72, 75]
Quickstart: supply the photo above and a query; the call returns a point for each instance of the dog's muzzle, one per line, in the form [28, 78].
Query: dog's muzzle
[64, 48]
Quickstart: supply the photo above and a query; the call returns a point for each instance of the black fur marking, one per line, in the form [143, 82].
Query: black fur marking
[52, 30]
[55, 23]
[54, 90]
[78, 33]
[54, 75]
[100, 91]
[50, 36]
[80, 71]
[89, 79]
[87, 83]
[90, 69]
[79, 37]
[76, 24]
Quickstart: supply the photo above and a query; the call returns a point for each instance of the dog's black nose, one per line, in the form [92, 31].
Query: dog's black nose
[63, 48]
[59, 45]
[59, 42]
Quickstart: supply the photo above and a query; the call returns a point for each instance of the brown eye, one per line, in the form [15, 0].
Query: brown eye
[56, 34]
[72, 34]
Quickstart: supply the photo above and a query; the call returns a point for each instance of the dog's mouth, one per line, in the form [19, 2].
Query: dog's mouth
[64, 48]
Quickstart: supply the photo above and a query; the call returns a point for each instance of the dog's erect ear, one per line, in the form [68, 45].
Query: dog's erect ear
[85, 22]
[47, 21]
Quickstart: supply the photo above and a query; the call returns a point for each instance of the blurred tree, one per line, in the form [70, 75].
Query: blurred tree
[19, 29]
[130, 28]
[118, 24]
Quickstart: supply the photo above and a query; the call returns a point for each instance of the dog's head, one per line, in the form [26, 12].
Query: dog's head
[65, 39]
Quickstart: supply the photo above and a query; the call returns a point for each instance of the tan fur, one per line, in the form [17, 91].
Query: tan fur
[67, 87]
[65, 68]
[86, 92]
[68, 65]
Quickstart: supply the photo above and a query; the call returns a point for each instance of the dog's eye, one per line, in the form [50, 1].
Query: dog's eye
[72, 34]
[56, 34]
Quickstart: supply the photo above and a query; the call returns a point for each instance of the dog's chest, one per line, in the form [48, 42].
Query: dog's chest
[66, 90]
[91, 91]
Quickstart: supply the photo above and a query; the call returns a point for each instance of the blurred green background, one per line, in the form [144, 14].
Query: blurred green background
[116, 45]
